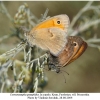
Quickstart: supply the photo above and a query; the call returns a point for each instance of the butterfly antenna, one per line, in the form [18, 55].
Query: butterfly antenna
[65, 72]
[64, 77]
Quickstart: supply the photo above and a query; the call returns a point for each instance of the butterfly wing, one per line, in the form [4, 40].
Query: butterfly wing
[52, 39]
[60, 21]
[74, 49]
[82, 47]
[50, 34]
[70, 53]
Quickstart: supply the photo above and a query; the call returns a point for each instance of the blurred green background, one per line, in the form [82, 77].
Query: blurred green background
[84, 73]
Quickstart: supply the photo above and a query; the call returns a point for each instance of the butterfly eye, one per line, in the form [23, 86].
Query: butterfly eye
[58, 22]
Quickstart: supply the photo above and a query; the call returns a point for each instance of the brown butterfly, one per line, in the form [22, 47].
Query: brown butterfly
[50, 34]
[74, 49]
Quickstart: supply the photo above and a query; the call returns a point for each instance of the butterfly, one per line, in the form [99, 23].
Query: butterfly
[50, 34]
[73, 50]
